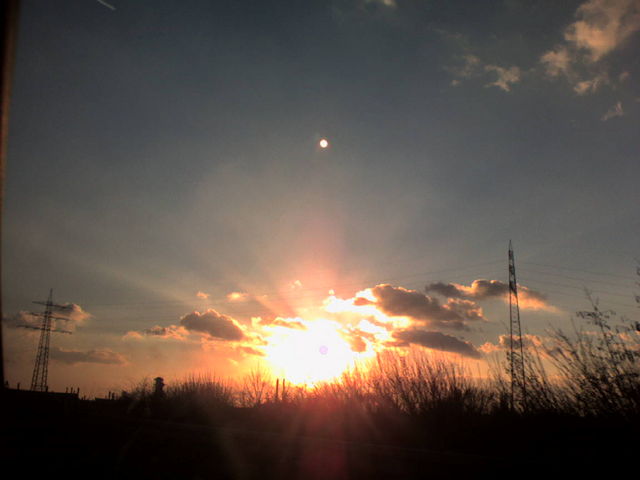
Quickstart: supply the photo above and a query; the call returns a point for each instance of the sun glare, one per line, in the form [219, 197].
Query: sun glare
[306, 357]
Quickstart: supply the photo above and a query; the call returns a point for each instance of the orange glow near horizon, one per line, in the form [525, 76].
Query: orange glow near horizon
[324, 340]
[326, 348]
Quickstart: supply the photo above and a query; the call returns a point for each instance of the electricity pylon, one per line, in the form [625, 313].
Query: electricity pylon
[41, 367]
[516, 350]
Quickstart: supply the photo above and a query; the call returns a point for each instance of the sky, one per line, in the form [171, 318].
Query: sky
[165, 177]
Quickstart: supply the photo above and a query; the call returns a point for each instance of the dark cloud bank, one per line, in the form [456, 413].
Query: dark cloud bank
[436, 341]
[398, 301]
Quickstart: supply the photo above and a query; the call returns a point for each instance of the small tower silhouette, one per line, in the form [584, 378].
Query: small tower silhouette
[158, 387]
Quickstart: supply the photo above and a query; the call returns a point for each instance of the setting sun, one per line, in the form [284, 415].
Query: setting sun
[315, 354]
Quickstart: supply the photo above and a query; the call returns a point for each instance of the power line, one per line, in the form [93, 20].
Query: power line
[322, 291]
[546, 282]
[308, 291]
[578, 279]
[583, 297]
[558, 267]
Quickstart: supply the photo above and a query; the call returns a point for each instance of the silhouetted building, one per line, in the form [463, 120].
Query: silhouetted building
[158, 387]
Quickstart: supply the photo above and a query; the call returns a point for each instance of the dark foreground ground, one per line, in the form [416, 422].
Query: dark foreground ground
[70, 438]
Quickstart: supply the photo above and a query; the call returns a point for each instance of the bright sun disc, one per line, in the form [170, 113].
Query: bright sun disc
[316, 354]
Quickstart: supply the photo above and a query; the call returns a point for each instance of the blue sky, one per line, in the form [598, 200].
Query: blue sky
[161, 149]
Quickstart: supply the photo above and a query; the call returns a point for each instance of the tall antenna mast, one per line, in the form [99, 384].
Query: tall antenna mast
[516, 351]
[41, 367]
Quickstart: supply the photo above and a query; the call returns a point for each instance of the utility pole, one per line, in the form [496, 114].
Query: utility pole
[41, 367]
[516, 350]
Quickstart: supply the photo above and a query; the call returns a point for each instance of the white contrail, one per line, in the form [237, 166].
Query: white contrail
[106, 4]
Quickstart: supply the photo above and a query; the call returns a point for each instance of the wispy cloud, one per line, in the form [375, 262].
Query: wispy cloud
[385, 3]
[172, 331]
[72, 357]
[280, 322]
[21, 319]
[470, 66]
[108, 5]
[506, 76]
[504, 343]
[247, 350]
[237, 296]
[473, 67]
[615, 111]
[295, 285]
[590, 86]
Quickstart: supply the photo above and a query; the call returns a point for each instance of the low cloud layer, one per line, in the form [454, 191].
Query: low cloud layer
[76, 316]
[213, 324]
[209, 324]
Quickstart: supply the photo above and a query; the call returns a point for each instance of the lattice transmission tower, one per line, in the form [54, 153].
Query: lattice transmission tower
[41, 367]
[516, 349]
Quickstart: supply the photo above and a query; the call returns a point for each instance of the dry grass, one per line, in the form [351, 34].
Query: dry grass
[600, 368]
